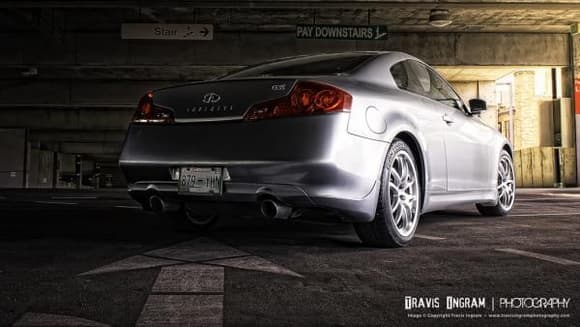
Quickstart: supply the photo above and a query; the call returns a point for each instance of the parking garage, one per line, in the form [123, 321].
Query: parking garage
[76, 250]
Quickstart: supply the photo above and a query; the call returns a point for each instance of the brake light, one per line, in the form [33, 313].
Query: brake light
[147, 112]
[306, 98]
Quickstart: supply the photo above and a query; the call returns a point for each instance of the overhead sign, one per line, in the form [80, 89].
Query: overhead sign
[341, 32]
[185, 32]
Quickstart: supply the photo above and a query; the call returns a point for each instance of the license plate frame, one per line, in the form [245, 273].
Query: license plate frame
[207, 181]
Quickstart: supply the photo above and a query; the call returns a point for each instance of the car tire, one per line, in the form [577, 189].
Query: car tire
[189, 218]
[506, 189]
[397, 214]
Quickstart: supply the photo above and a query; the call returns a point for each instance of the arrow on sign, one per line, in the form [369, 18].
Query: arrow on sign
[189, 288]
[378, 33]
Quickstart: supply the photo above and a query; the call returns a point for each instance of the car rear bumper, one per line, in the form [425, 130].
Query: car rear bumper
[304, 162]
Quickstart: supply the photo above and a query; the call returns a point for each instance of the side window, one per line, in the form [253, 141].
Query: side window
[400, 75]
[440, 90]
[412, 76]
[418, 78]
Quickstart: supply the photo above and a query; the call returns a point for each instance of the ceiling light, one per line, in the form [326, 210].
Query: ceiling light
[439, 18]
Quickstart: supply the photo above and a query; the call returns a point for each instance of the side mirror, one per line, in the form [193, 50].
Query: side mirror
[477, 105]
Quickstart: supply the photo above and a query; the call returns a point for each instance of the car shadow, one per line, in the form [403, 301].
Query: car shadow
[106, 224]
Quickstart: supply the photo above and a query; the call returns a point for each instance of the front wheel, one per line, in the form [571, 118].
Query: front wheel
[506, 188]
[397, 214]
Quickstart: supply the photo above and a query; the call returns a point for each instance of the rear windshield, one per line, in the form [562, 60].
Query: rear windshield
[304, 66]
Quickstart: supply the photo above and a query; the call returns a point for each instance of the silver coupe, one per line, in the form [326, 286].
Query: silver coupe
[372, 138]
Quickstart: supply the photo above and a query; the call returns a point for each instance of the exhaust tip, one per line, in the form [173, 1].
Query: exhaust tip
[274, 209]
[156, 204]
[268, 208]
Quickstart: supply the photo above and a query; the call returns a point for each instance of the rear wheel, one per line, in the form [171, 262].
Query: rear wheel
[397, 214]
[506, 188]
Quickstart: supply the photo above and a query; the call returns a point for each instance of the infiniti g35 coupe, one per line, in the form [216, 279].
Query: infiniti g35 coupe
[373, 138]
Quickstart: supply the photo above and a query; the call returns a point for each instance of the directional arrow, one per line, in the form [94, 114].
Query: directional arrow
[201, 250]
[204, 31]
[189, 288]
[378, 34]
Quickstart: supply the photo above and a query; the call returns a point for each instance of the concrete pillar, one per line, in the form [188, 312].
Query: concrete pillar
[527, 114]
[40, 168]
[12, 164]
[79, 172]
[575, 58]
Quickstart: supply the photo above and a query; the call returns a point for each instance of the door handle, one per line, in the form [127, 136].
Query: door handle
[447, 118]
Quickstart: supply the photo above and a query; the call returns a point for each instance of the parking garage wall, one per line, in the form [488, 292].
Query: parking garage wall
[77, 96]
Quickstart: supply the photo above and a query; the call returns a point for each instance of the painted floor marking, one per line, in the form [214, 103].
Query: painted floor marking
[254, 263]
[132, 263]
[460, 223]
[190, 278]
[182, 310]
[540, 256]
[428, 237]
[200, 249]
[189, 289]
[564, 195]
[55, 202]
[553, 199]
[74, 197]
[531, 215]
[510, 224]
[187, 307]
[36, 319]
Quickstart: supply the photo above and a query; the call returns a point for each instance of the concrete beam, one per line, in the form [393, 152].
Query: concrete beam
[126, 73]
[53, 93]
[436, 48]
[321, 4]
[237, 49]
[45, 21]
[83, 136]
[67, 118]
[90, 148]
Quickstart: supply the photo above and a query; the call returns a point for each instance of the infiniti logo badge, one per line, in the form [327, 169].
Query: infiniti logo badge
[211, 98]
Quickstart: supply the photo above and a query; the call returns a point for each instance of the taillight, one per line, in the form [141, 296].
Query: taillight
[306, 98]
[147, 112]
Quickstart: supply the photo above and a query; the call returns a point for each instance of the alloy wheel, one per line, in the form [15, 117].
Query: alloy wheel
[404, 193]
[505, 183]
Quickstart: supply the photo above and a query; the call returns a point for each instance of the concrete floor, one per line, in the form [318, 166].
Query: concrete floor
[95, 259]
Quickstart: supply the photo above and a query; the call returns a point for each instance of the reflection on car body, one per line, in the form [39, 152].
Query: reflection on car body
[375, 138]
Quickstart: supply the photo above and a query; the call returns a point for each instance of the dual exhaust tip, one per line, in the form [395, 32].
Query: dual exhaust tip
[269, 208]
[274, 209]
[158, 205]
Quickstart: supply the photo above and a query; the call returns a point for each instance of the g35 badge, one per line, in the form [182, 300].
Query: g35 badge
[279, 87]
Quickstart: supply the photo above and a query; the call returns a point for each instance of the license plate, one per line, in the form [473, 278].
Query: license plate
[206, 181]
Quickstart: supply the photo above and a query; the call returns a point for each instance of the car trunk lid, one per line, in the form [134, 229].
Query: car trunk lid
[219, 100]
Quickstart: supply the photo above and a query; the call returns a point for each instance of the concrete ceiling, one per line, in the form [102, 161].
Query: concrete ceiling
[475, 73]
[480, 73]
[280, 16]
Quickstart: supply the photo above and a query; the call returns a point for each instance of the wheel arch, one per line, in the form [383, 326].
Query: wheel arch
[508, 149]
[413, 143]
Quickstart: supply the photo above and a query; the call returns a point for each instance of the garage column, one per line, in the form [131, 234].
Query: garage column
[575, 57]
[526, 115]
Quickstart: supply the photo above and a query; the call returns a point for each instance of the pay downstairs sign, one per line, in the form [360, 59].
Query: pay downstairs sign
[341, 32]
